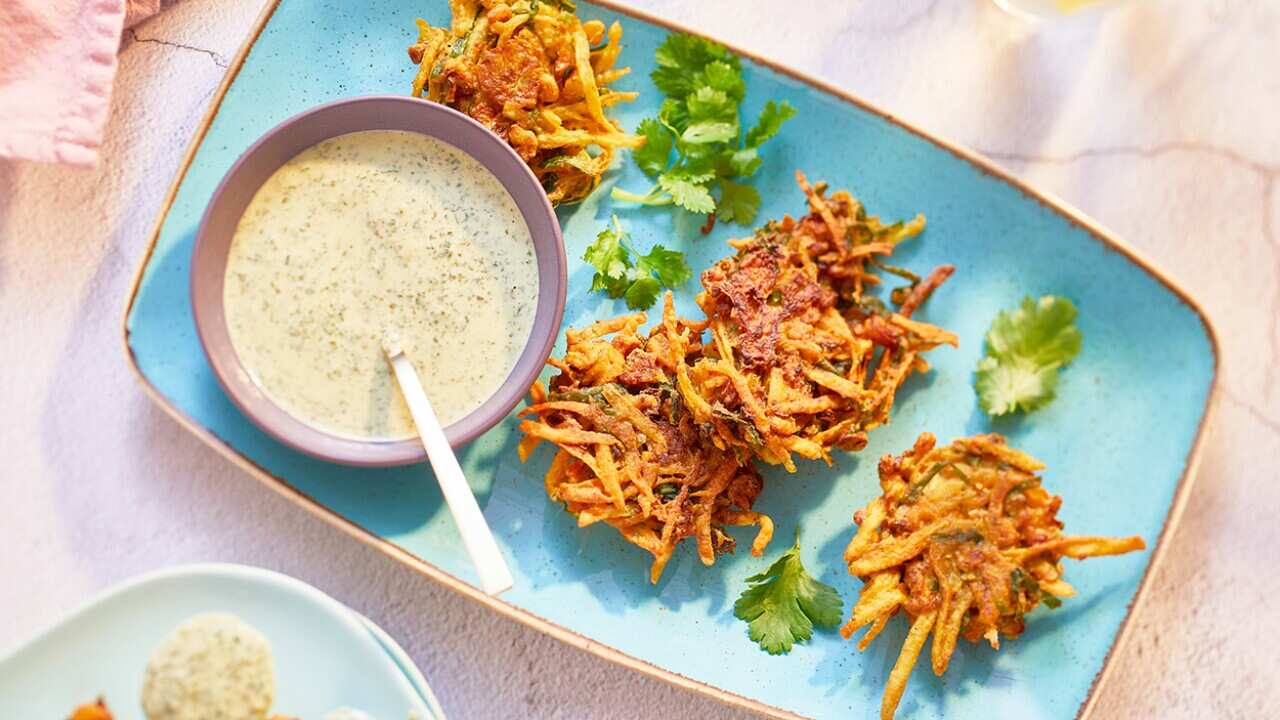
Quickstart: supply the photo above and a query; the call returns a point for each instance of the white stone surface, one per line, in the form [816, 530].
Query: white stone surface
[1158, 119]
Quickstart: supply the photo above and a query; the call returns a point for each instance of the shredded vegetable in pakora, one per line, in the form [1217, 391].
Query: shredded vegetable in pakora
[801, 358]
[965, 541]
[536, 76]
[629, 453]
[657, 434]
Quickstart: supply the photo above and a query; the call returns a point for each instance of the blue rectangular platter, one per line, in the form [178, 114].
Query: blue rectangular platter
[1120, 442]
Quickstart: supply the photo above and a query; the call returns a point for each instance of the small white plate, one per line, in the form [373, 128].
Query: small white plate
[326, 655]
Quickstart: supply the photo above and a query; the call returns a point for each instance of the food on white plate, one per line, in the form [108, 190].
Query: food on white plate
[657, 433]
[213, 665]
[367, 232]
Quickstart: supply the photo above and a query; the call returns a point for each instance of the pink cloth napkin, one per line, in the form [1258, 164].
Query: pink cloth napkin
[57, 63]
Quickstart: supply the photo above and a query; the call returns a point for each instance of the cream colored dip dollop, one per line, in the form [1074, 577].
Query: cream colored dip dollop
[213, 666]
[368, 233]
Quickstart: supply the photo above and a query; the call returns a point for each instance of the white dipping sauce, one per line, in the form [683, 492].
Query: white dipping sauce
[368, 233]
[212, 667]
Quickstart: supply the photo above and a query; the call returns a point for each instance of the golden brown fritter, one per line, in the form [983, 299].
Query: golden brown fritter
[801, 360]
[527, 71]
[629, 453]
[965, 541]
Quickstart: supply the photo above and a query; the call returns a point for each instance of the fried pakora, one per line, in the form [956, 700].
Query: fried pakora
[965, 540]
[658, 434]
[629, 453]
[535, 75]
[801, 358]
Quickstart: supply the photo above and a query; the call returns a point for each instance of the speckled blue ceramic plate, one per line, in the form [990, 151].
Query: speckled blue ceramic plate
[1121, 440]
[326, 656]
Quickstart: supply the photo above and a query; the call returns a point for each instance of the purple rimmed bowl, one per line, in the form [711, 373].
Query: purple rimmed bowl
[278, 146]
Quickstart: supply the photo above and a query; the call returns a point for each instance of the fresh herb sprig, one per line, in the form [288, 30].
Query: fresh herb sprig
[1026, 347]
[622, 272]
[782, 604]
[695, 149]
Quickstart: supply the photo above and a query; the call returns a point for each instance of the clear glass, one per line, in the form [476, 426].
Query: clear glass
[1046, 9]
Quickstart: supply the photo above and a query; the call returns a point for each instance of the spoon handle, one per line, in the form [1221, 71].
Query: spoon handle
[478, 539]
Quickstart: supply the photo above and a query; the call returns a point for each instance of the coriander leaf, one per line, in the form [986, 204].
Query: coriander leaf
[674, 114]
[782, 604]
[611, 260]
[709, 132]
[668, 265]
[704, 88]
[694, 175]
[701, 163]
[745, 162]
[687, 51]
[1042, 331]
[652, 157]
[769, 122]
[673, 81]
[655, 196]
[726, 78]
[621, 272]
[643, 293]
[1005, 386]
[681, 60]
[738, 203]
[1025, 349]
[688, 193]
[709, 104]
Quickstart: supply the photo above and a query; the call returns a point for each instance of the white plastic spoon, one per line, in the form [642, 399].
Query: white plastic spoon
[494, 574]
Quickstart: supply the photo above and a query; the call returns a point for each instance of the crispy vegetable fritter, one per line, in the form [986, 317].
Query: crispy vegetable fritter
[965, 541]
[527, 70]
[801, 359]
[629, 453]
[658, 434]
